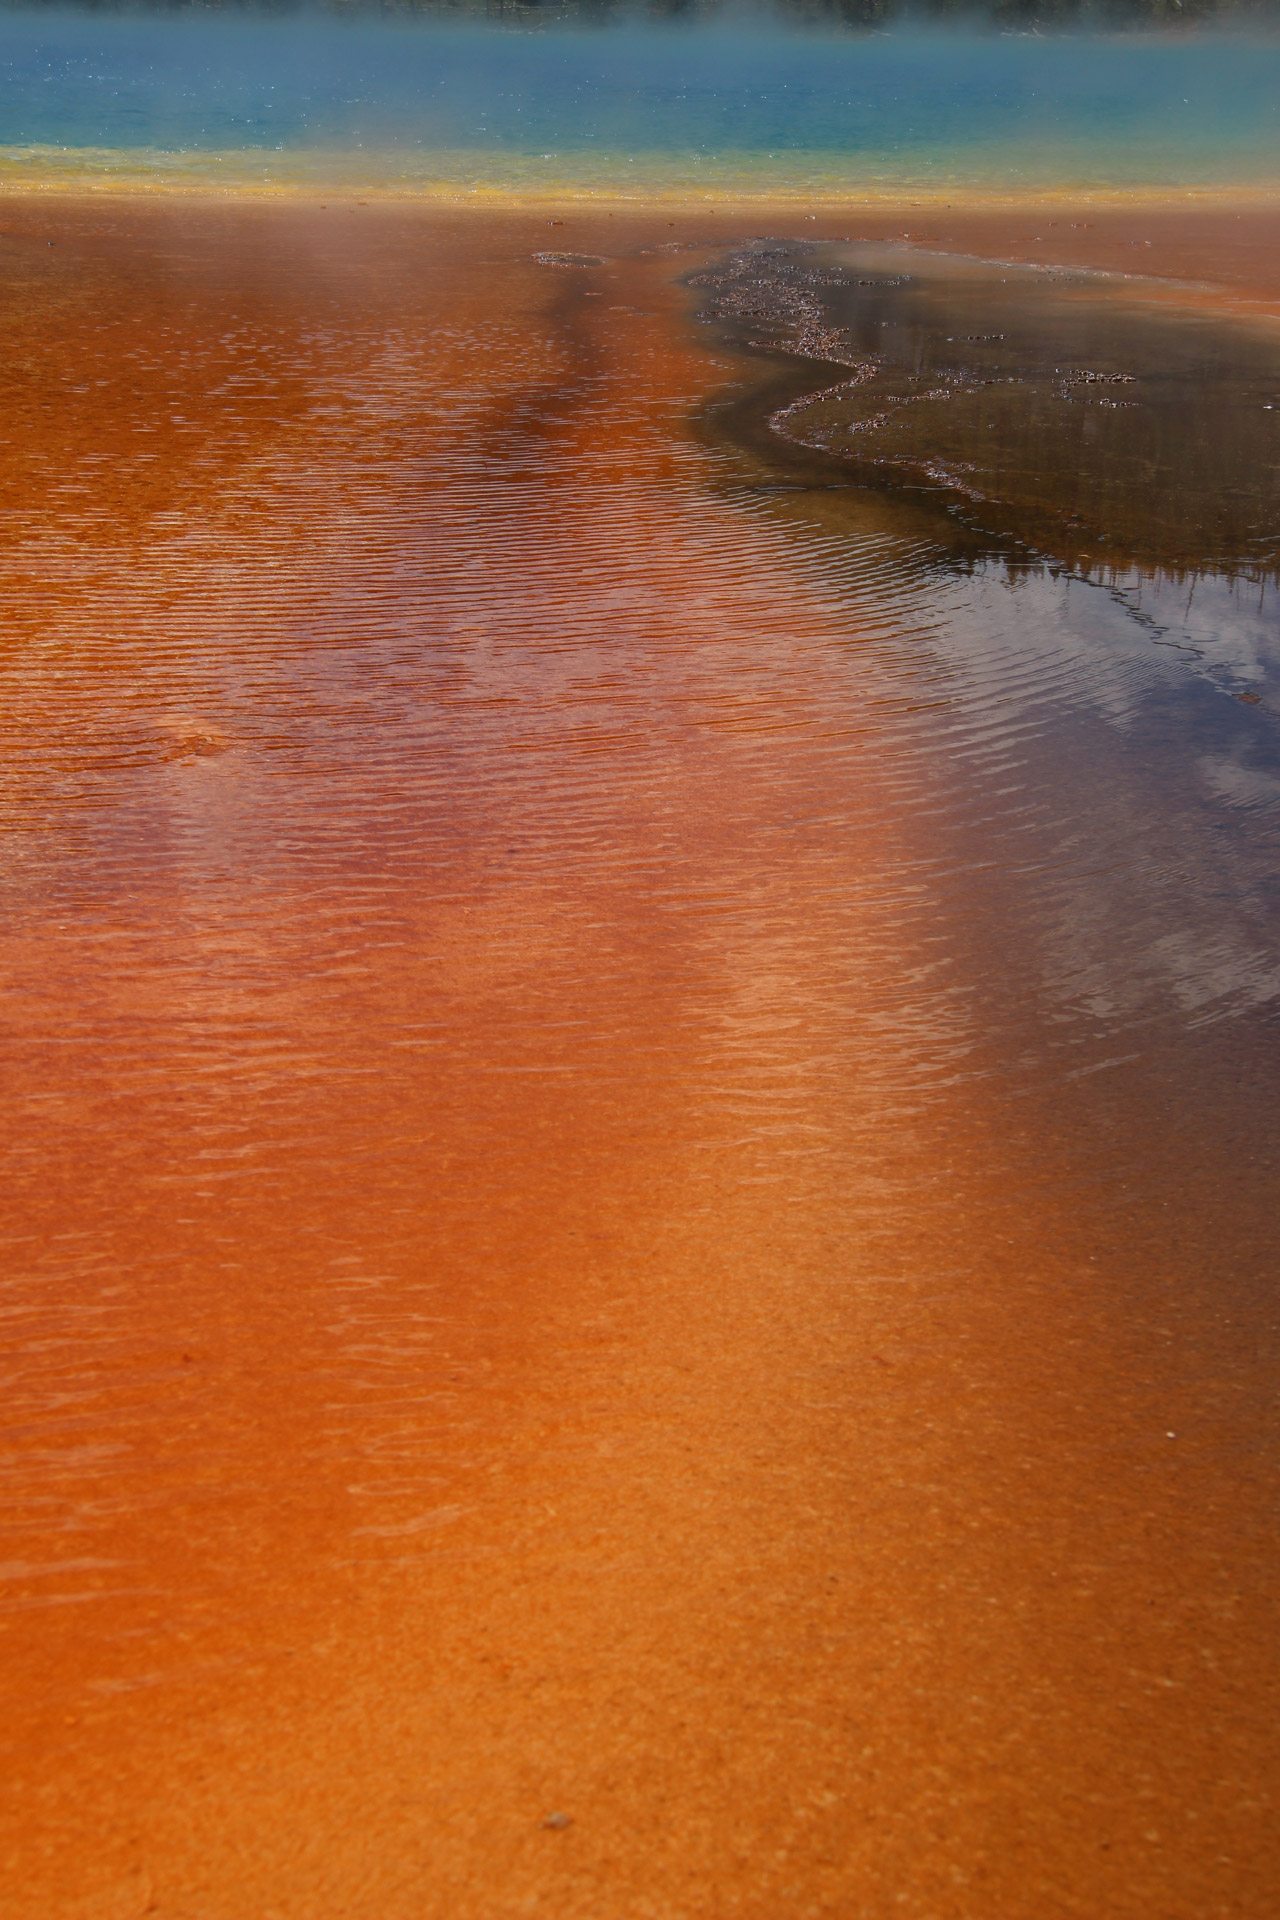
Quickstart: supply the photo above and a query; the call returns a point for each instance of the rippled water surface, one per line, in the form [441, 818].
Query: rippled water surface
[638, 1195]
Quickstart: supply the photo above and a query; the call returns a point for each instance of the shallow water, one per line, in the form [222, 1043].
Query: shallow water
[639, 1175]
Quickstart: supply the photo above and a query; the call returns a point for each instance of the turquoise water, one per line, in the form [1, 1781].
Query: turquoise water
[634, 107]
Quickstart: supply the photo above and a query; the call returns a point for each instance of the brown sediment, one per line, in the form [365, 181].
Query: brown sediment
[1052, 412]
[557, 1269]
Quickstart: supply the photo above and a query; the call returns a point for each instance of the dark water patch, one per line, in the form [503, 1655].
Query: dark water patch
[1107, 709]
[1038, 413]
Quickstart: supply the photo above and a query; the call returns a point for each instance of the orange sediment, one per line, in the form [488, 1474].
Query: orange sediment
[532, 1294]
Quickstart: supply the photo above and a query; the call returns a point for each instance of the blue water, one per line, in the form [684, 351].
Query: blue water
[634, 103]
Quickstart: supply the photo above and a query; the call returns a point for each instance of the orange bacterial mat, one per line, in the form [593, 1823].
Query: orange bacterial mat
[637, 1281]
